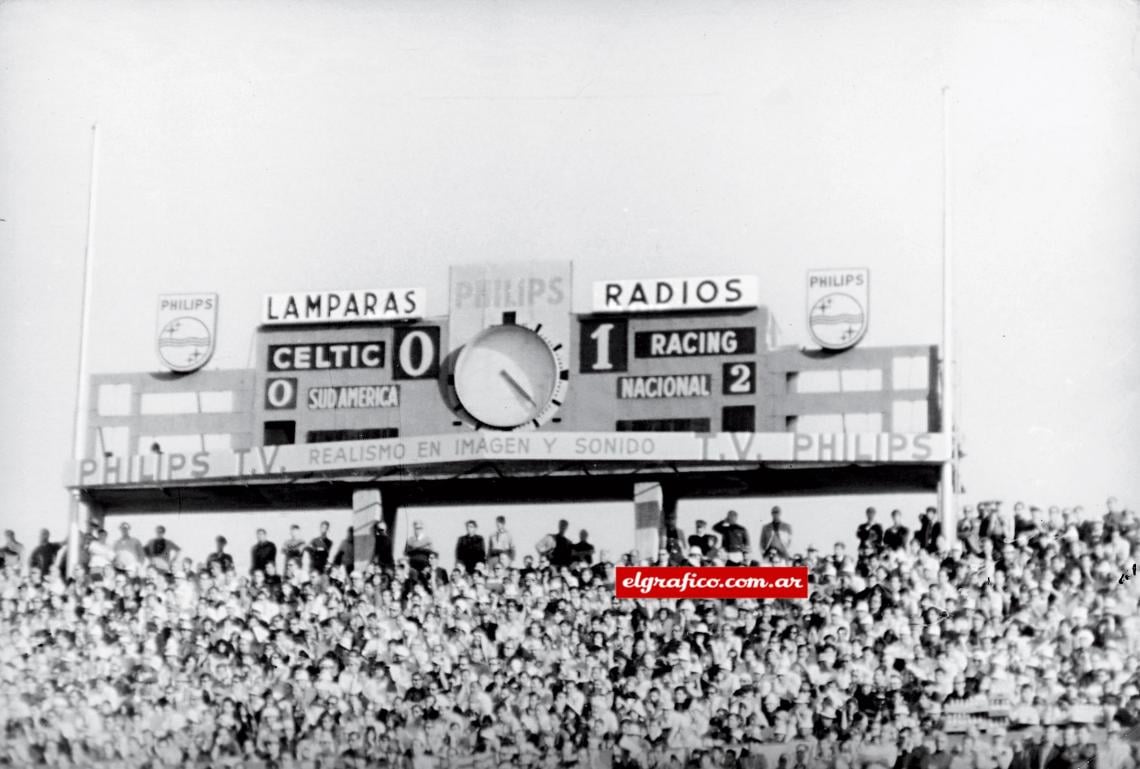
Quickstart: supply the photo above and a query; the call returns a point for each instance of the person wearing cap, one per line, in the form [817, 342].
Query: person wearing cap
[776, 537]
[702, 539]
[129, 553]
[733, 537]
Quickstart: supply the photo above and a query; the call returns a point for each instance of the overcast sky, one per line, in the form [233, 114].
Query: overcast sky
[250, 147]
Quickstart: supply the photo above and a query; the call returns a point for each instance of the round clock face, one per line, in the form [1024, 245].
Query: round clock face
[509, 377]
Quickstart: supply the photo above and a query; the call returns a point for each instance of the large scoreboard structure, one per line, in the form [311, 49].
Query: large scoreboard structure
[673, 384]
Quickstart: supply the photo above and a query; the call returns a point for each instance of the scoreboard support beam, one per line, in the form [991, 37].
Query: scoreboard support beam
[649, 518]
[367, 509]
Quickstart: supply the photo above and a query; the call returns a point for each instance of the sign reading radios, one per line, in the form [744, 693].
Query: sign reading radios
[187, 330]
[838, 302]
[663, 294]
[343, 306]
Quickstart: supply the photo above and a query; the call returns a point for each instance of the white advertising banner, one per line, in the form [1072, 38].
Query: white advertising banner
[666, 294]
[364, 306]
[929, 448]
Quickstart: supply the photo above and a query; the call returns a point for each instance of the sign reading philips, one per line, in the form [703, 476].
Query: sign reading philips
[664, 294]
[343, 306]
[480, 447]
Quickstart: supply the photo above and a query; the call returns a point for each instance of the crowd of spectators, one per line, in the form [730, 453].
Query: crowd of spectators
[150, 658]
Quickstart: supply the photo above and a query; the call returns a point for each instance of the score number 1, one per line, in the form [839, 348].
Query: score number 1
[603, 346]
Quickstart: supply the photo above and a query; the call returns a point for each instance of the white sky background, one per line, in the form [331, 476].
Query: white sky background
[250, 147]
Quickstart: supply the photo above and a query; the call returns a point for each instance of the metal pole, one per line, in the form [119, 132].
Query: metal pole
[79, 512]
[948, 481]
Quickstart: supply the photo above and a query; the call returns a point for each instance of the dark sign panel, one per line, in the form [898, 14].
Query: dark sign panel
[695, 342]
[326, 356]
[603, 347]
[417, 353]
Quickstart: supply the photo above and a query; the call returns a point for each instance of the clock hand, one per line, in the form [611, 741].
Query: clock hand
[518, 387]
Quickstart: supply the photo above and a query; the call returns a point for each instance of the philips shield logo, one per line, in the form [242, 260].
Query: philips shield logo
[838, 304]
[187, 329]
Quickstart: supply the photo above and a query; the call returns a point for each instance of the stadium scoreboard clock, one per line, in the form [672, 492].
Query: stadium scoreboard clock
[676, 355]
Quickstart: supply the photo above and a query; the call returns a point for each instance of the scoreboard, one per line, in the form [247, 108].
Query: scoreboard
[667, 371]
[694, 372]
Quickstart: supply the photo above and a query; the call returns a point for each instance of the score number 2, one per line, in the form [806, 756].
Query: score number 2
[739, 378]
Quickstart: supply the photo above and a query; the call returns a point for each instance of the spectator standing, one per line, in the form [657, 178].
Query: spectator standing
[938, 755]
[1116, 754]
[13, 551]
[294, 547]
[220, 557]
[582, 552]
[382, 546]
[929, 530]
[161, 552]
[896, 536]
[502, 545]
[969, 531]
[263, 553]
[470, 549]
[703, 539]
[418, 547]
[776, 536]
[733, 538]
[319, 549]
[43, 556]
[129, 552]
[100, 554]
[674, 542]
[346, 552]
[993, 525]
[870, 535]
[557, 548]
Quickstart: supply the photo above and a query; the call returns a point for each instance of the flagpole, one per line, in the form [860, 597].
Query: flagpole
[947, 486]
[80, 510]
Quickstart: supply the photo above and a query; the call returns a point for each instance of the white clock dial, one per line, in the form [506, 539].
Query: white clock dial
[509, 376]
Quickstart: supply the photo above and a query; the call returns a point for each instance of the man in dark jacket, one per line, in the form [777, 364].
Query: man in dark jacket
[160, 551]
[319, 549]
[224, 560]
[562, 553]
[382, 546]
[346, 553]
[471, 550]
[44, 555]
[262, 553]
[733, 538]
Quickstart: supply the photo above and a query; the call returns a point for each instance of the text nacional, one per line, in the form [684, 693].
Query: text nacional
[343, 306]
[665, 386]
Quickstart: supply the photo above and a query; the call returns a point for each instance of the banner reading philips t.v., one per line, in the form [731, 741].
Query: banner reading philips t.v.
[288, 460]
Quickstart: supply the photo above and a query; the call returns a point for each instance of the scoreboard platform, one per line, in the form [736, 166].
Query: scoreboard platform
[356, 394]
